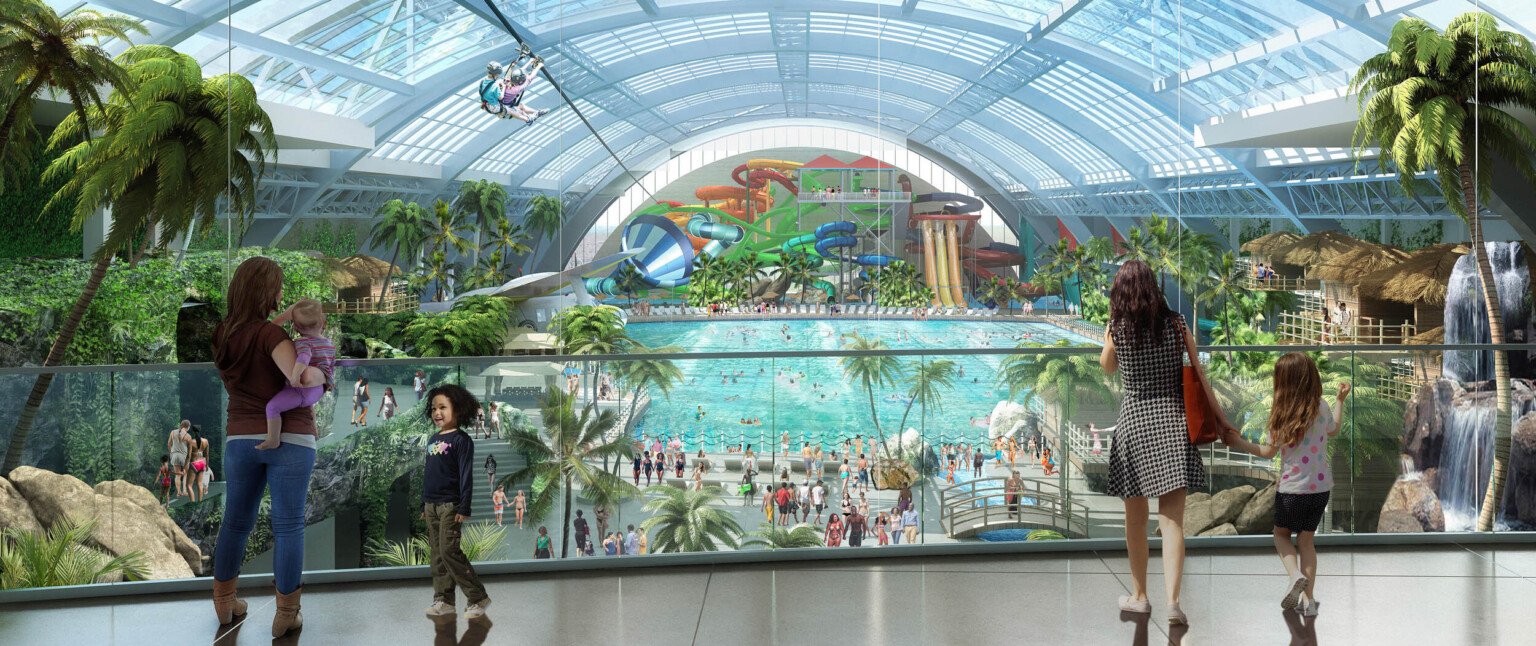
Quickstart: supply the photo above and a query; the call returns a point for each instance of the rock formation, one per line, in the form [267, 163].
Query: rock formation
[1009, 419]
[128, 518]
[1411, 506]
[1239, 510]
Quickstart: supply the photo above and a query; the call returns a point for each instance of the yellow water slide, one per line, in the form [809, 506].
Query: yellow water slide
[952, 233]
[941, 261]
[930, 270]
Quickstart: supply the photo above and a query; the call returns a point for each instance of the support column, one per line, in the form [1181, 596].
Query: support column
[95, 231]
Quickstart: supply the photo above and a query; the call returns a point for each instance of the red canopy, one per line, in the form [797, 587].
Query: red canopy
[870, 163]
[824, 161]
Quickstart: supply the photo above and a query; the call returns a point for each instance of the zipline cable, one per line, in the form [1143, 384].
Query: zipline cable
[507, 25]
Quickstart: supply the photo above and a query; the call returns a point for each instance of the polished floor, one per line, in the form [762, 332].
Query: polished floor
[1443, 595]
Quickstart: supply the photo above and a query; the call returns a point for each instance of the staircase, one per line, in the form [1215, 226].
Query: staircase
[507, 462]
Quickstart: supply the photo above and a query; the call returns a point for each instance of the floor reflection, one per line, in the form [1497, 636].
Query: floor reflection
[445, 631]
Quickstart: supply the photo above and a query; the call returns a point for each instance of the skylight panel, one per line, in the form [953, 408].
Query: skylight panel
[568, 158]
[718, 94]
[1013, 152]
[621, 44]
[942, 84]
[695, 70]
[860, 91]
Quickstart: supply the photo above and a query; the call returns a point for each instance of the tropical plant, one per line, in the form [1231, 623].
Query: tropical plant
[1372, 425]
[447, 229]
[482, 202]
[398, 226]
[1099, 250]
[772, 537]
[897, 285]
[1224, 287]
[641, 372]
[870, 371]
[590, 329]
[180, 151]
[1061, 379]
[800, 269]
[629, 281]
[476, 326]
[438, 272]
[41, 49]
[689, 521]
[480, 542]
[560, 455]
[60, 556]
[995, 291]
[545, 215]
[490, 271]
[1137, 245]
[1446, 102]
[508, 238]
[925, 380]
[1044, 535]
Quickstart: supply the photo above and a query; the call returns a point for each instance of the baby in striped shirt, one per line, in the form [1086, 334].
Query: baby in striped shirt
[311, 373]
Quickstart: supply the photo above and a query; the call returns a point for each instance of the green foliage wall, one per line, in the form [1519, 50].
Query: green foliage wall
[335, 239]
[30, 231]
[133, 318]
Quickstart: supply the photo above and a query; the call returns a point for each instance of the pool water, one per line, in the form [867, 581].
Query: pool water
[808, 397]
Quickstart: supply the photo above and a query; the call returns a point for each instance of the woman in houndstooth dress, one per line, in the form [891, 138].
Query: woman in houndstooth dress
[1150, 454]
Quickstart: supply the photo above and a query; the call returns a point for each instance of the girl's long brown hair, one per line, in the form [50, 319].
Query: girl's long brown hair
[252, 296]
[1298, 392]
[1137, 305]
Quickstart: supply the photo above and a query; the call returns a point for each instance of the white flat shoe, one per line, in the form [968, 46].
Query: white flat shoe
[1177, 617]
[1143, 607]
[1298, 583]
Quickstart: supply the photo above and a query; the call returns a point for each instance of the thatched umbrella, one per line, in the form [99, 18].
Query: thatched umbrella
[1419, 279]
[1349, 267]
[1315, 249]
[357, 276]
[1267, 243]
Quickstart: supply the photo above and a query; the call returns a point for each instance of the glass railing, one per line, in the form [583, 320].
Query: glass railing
[901, 446]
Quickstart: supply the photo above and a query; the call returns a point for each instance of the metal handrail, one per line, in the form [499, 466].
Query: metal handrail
[958, 504]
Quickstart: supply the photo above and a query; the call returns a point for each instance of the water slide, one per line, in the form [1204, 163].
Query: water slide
[668, 239]
[931, 268]
[952, 232]
[942, 240]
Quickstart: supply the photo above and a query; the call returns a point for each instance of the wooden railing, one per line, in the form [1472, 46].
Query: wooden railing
[980, 505]
[1281, 284]
[398, 299]
[1310, 329]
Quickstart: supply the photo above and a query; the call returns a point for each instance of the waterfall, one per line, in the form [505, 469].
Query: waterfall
[1466, 317]
[1465, 460]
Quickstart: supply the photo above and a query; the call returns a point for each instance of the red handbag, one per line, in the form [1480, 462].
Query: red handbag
[1198, 412]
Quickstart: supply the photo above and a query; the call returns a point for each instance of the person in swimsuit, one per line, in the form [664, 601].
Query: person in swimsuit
[499, 500]
[682, 464]
[863, 466]
[197, 488]
[490, 470]
[882, 530]
[842, 473]
[648, 466]
[177, 447]
[165, 477]
[519, 504]
[834, 531]
[496, 420]
[635, 470]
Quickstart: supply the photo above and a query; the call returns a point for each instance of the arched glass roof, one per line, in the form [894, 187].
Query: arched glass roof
[1065, 106]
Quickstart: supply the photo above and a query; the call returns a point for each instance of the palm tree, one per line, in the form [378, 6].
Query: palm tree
[870, 371]
[397, 226]
[438, 272]
[560, 455]
[641, 372]
[508, 238]
[448, 229]
[1224, 286]
[1099, 250]
[800, 270]
[996, 290]
[41, 49]
[490, 271]
[772, 537]
[590, 329]
[629, 280]
[1446, 102]
[483, 202]
[183, 151]
[1062, 379]
[689, 521]
[925, 380]
[1137, 246]
[545, 216]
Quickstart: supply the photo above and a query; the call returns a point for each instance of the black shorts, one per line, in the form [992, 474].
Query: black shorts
[783, 509]
[1300, 512]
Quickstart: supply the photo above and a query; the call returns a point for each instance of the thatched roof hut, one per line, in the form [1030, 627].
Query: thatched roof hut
[1432, 336]
[1349, 267]
[358, 276]
[1313, 249]
[1419, 278]
[1265, 244]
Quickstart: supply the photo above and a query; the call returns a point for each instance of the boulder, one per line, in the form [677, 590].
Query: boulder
[1224, 529]
[1519, 509]
[147, 502]
[122, 525]
[1424, 422]
[15, 513]
[1228, 503]
[911, 447]
[1007, 420]
[1197, 517]
[1411, 506]
[1198, 496]
[1258, 516]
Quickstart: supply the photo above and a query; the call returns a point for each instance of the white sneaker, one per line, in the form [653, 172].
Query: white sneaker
[1308, 608]
[1298, 584]
[440, 608]
[475, 610]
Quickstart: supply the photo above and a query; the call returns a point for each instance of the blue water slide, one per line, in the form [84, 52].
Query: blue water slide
[830, 228]
[875, 260]
[825, 246]
[666, 253]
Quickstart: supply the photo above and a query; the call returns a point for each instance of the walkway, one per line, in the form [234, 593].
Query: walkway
[1219, 458]
[1448, 595]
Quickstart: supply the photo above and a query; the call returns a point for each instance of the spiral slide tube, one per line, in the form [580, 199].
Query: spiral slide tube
[666, 258]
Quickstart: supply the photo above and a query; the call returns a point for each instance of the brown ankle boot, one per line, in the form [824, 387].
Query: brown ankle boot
[225, 603]
[288, 617]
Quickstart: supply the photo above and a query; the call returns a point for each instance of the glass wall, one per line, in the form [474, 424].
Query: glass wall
[848, 261]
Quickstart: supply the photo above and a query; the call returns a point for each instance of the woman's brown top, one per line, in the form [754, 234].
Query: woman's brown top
[251, 378]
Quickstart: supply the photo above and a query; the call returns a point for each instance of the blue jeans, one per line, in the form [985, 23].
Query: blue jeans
[248, 473]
